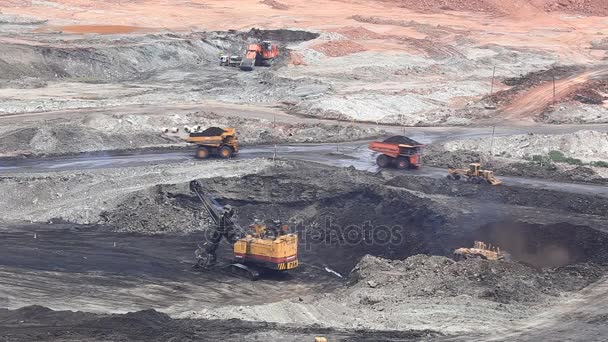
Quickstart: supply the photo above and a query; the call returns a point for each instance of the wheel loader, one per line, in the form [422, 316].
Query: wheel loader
[256, 250]
[474, 174]
[215, 141]
[481, 250]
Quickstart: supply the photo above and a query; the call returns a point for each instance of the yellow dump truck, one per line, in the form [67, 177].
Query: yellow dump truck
[215, 141]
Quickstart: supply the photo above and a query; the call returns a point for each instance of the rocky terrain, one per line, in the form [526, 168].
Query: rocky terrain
[594, 7]
[98, 226]
[579, 156]
[101, 132]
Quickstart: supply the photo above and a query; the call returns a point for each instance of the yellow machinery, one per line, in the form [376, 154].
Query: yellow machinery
[480, 250]
[215, 141]
[474, 174]
[255, 250]
[268, 249]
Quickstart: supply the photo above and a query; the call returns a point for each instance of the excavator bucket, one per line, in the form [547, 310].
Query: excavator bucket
[494, 181]
[204, 260]
[248, 64]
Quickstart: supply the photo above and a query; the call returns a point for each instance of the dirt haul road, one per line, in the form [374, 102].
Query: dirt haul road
[527, 106]
[341, 155]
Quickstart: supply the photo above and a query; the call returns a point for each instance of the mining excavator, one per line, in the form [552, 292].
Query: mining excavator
[474, 174]
[256, 250]
[481, 250]
[262, 54]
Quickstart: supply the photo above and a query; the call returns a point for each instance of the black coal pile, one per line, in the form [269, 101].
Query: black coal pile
[209, 132]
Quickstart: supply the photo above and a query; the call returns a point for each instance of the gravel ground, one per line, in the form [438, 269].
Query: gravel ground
[585, 145]
[422, 291]
[404, 88]
[433, 85]
[101, 132]
[528, 155]
[82, 196]
[576, 113]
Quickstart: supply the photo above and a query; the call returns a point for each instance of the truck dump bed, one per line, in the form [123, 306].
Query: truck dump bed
[399, 151]
[397, 146]
[211, 136]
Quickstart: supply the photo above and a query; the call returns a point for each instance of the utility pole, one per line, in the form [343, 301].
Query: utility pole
[553, 87]
[492, 143]
[492, 85]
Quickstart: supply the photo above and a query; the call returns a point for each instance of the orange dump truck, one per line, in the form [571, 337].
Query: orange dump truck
[399, 151]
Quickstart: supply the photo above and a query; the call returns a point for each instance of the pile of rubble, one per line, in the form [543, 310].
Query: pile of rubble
[437, 276]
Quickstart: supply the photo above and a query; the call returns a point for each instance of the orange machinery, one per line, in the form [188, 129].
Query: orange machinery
[399, 151]
[259, 55]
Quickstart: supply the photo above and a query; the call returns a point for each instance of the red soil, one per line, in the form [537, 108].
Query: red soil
[339, 48]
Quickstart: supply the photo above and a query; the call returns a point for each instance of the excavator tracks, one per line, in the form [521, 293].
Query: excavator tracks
[244, 271]
[237, 269]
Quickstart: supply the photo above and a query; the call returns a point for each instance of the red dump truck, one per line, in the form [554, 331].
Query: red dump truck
[398, 151]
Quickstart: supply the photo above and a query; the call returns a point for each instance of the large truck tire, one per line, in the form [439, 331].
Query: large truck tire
[224, 152]
[202, 152]
[402, 163]
[383, 160]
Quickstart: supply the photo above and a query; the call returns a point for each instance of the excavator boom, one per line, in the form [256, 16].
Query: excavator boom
[215, 210]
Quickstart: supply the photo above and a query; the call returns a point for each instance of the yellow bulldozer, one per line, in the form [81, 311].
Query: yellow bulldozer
[480, 250]
[474, 174]
[215, 141]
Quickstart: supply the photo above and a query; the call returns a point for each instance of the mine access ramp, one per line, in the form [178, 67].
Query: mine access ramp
[398, 151]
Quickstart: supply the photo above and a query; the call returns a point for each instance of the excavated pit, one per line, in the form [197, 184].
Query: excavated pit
[341, 216]
[140, 252]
